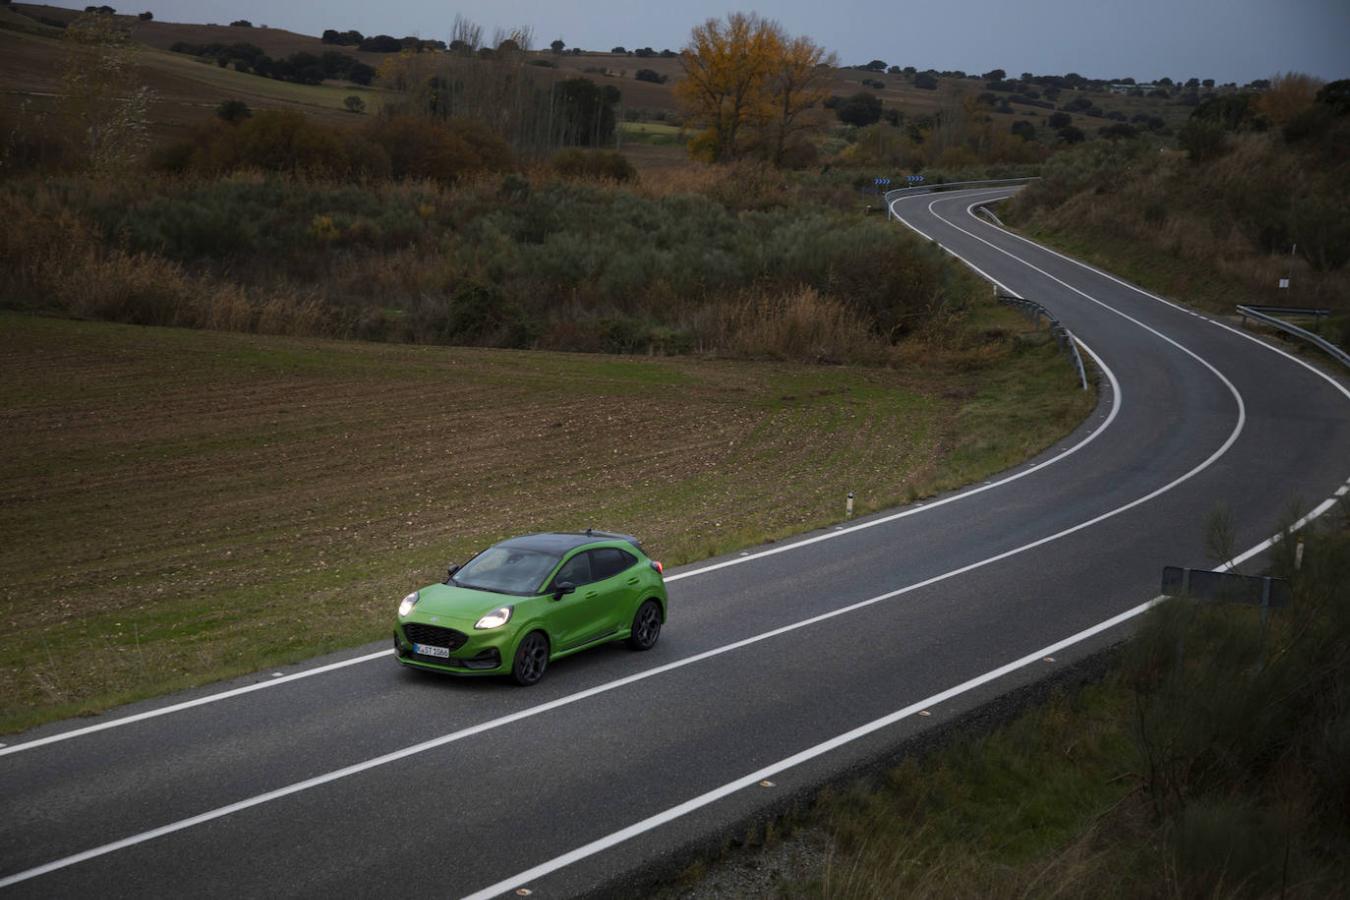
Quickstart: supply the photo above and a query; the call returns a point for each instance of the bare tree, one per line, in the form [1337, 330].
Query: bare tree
[465, 36]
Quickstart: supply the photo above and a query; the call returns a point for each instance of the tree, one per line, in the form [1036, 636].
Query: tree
[1208, 82]
[241, 23]
[649, 75]
[465, 36]
[354, 104]
[726, 66]
[1118, 131]
[861, 109]
[144, 17]
[620, 51]
[796, 84]
[587, 112]
[876, 65]
[994, 75]
[1024, 129]
[557, 47]
[925, 81]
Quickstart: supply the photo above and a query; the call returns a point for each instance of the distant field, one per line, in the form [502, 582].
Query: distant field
[179, 506]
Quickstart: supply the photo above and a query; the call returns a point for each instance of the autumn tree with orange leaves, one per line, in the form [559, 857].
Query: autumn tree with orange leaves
[750, 86]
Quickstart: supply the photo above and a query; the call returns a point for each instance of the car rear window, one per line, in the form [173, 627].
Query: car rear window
[606, 562]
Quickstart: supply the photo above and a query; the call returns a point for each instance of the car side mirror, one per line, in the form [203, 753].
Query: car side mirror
[562, 589]
[450, 573]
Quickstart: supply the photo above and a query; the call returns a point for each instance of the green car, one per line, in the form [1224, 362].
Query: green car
[520, 604]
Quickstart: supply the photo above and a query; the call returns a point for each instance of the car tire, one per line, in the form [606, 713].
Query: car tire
[646, 626]
[531, 659]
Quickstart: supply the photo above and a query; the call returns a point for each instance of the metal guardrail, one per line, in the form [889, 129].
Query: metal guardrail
[1302, 333]
[1226, 587]
[1314, 312]
[1063, 336]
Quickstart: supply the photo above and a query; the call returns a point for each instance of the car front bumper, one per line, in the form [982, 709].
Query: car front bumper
[481, 654]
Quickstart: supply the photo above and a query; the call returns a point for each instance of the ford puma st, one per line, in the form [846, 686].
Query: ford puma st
[520, 604]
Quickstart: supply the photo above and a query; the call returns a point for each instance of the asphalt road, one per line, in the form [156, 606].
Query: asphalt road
[783, 666]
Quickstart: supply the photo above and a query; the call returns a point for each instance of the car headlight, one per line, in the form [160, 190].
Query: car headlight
[409, 602]
[495, 619]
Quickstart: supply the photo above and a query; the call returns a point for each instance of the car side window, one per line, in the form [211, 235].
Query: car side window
[606, 562]
[576, 570]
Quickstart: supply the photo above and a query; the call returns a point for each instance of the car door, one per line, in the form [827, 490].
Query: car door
[616, 585]
[569, 616]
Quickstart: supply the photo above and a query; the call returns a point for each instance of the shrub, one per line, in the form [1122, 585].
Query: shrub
[1203, 139]
[241, 23]
[925, 81]
[649, 75]
[421, 148]
[1118, 131]
[1059, 120]
[233, 111]
[861, 109]
[354, 104]
[595, 164]
[1069, 134]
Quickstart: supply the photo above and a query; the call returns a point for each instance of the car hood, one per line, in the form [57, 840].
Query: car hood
[458, 603]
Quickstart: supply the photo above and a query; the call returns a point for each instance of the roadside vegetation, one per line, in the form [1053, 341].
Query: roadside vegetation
[179, 506]
[742, 264]
[1258, 191]
[1209, 762]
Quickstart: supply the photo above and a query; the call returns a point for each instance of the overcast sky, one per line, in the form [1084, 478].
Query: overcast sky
[1228, 40]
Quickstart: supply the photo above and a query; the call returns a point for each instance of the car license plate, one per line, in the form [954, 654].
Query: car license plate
[424, 650]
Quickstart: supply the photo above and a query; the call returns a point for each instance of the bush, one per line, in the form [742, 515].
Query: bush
[1059, 120]
[1203, 139]
[420, 148]
[233, 111]
[354, 104]
[241, 23]
[1118, 131]
[1070, 134]
[649, 75]
[860, 110]
[594, 164]
[925, 81]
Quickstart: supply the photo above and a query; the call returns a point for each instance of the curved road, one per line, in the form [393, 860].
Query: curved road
[779, 667]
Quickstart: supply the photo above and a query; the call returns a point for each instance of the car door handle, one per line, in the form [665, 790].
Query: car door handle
[633, 580]
[591, 595]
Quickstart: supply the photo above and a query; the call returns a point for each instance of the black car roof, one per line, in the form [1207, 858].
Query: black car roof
[561, 542]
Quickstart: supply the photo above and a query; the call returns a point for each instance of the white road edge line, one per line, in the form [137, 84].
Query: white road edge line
[838, 531]
[481, 727]
[1003, 229]
[188, 704]
[777, 768]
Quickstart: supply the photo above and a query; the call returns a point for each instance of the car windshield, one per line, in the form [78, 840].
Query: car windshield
[507, 570]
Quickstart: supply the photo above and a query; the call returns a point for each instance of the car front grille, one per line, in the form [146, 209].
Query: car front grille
[434, 635]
